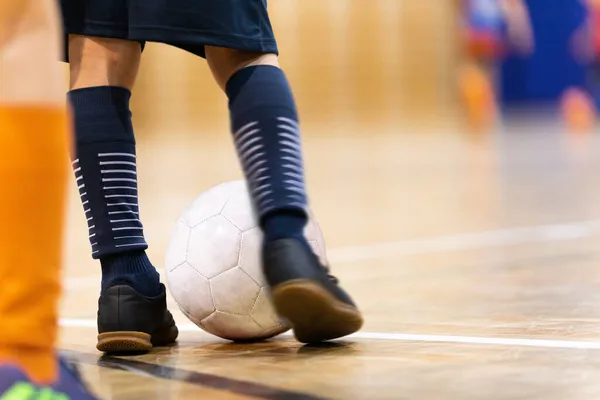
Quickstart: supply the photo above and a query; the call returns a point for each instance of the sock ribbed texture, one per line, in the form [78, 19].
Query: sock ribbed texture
[133, 269]
[284, 224]
[106, 174]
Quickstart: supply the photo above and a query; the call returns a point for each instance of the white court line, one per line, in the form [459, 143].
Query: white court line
[406, 337]
[465, 241]
[468, 241]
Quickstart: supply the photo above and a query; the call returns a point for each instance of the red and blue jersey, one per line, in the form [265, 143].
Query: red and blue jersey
[485, 15]
[485, 25]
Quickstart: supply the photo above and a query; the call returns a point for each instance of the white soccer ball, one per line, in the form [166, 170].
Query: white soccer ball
[214, 270]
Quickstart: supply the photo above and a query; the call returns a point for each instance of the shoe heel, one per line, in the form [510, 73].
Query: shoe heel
[314, 313]
[124, 342]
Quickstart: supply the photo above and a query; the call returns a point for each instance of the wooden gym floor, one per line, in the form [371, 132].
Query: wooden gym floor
[475, 260]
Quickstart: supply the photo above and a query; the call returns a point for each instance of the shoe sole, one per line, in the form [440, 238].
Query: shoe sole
[124, 342]
[314, 313]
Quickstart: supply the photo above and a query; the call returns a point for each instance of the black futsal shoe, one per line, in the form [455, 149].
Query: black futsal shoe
[129, 322]
[305, 295]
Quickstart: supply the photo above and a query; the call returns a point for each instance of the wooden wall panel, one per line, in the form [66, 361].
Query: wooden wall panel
[348, 60]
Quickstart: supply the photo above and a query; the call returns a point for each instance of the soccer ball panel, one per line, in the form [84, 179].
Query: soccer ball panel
[208, 204]
[191, 291]
[264, 313]
[213, 246]
[250, 255]
[177, 249]
[313, 234]
[232, 326]
[236, 209]
[234, 291]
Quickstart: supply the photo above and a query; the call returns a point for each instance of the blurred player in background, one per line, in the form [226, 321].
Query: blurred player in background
[491, 28]
[105, 45]
[578, 103]
[557, 70]
[593, 7]
[33, 151]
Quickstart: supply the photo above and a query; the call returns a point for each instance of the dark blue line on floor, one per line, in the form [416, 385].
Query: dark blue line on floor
[221, 383]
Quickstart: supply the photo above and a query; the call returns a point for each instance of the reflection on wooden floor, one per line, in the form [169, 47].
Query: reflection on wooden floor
[489, 246]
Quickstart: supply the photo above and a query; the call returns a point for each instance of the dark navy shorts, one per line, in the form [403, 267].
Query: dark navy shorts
[187, 24]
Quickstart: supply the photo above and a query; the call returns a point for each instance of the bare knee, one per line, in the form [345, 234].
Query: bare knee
[98, 61]
[225, 62]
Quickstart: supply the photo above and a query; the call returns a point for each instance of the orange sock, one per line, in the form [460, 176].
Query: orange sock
[477, 93]
[33, 175]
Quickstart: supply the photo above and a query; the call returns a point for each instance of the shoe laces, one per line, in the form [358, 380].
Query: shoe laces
[327, 269]
[334, 279]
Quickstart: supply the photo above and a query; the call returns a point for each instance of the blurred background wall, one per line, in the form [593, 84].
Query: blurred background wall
[350, 62]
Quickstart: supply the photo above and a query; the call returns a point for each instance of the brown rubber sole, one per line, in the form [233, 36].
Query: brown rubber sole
[314, 313]
[124, 342]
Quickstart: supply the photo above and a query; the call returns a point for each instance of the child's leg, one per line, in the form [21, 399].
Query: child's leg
[33, 161]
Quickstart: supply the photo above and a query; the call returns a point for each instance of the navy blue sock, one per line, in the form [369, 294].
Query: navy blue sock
[264, 122]
[106, 174]
[133, 269]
